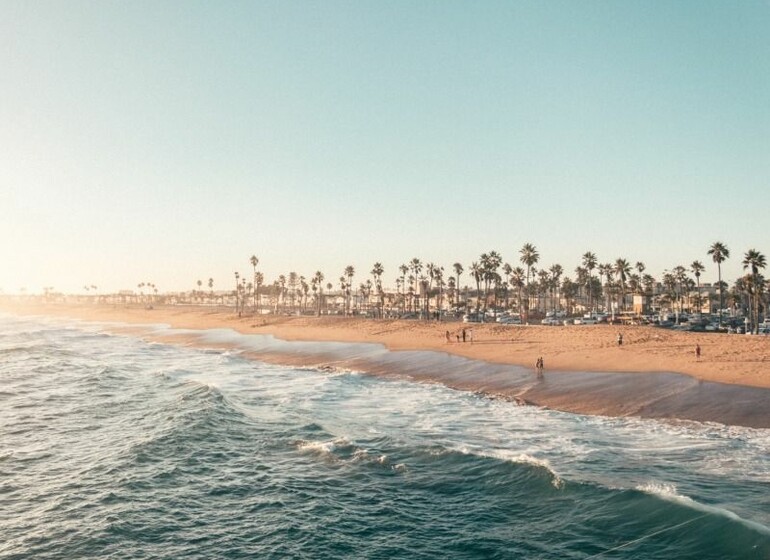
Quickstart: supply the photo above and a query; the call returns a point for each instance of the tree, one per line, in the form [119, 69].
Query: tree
[697, 267]
[458, 269]
[518, 282]
[490, 262]
[477, 273]
[415, 265]
[622, 270]
[680, 276]
[719, 254]
[282, 291]
[755, 261]
[556, 272]
[254, 262]
[403, 269]
[528, 256]
[570, 290]
[589, 263]
[317, 283]
[349, 273]
[605, 270]
[507, 270]
[377, 271]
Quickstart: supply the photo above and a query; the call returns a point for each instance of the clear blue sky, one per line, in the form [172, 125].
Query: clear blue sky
[169, 141]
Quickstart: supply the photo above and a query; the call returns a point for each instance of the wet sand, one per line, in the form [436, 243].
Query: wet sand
[655, 373]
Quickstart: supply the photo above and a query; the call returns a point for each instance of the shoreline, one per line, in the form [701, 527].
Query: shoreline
[655, 373]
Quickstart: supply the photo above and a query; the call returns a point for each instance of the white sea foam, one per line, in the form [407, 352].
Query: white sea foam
[670, 493]
[322, 447]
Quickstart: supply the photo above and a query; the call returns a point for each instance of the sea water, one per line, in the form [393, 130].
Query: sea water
[114, 447]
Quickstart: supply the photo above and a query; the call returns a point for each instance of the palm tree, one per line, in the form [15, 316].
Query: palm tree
[259, 280]
[529, 256]
[622, 269]
[211, 288]
[542, 286]
[254, 262]
[377, 271]
[458, 268]
[477, 273]
[719, 254]
[570, 290]
[317, 283]
[582, 283]
[680, 276]
[556, 272]
[589, 263]
[507, 270]
[282, 291]
[697, 267]
[754, 260]
[489, 264]
[517, 281]
[349, 273]
[606, 270]
[403, 269]
[415, 265]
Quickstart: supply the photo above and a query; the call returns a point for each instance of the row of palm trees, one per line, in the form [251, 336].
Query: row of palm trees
[426, 288]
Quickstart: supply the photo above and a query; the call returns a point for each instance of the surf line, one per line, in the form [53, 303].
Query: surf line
[682, 524]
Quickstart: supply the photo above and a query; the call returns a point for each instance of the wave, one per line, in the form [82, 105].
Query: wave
[669, 493]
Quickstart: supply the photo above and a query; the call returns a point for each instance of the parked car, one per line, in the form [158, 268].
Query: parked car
[510, 320]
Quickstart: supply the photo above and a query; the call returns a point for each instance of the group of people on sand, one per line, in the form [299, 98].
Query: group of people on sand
[462, 335]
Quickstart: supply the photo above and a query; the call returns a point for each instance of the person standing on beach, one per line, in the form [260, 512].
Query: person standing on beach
[470, 332]
[463, 335]
[448, 340]
[620, 339]
[697, 352]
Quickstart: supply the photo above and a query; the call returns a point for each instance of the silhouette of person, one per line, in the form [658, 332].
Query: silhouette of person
[697, 351]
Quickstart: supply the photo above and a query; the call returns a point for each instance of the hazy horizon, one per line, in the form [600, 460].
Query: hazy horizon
[167, 143]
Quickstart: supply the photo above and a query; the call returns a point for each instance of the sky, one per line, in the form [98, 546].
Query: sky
[167, 142]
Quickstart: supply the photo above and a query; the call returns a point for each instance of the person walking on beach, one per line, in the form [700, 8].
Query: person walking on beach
[463, 335]
[539, 366]
[697, 352]
[470, 332]
[620, 339]
[448, 340]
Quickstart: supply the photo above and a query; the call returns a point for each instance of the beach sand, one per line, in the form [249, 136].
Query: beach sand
[655, 373]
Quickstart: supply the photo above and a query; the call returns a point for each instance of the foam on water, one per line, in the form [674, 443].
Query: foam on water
[113, 447]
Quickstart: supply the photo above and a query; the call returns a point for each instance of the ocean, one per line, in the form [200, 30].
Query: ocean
[113, 446]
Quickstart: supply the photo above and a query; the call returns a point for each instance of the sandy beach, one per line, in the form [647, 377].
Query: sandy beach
[635, 376]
